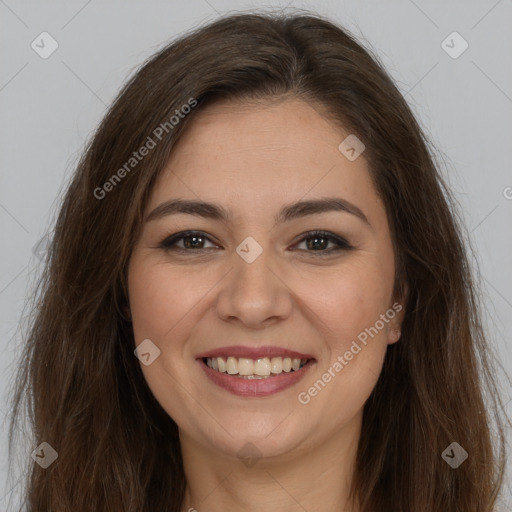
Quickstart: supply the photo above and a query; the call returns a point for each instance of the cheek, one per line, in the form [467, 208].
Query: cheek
[355, 343]
[161, 298]
[348, 300]
[162, 302]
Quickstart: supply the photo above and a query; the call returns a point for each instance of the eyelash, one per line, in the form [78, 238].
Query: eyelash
[169, 243]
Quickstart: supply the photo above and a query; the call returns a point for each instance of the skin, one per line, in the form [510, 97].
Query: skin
[254, 159]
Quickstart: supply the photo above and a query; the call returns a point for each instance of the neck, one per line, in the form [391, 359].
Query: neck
[312, 479]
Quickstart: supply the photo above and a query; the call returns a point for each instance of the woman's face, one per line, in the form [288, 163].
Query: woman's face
[255, 290]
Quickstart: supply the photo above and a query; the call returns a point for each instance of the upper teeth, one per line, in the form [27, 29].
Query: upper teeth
[263, 367]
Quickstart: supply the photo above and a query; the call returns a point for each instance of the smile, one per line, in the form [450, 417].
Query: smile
[255, 368]
[255, 372]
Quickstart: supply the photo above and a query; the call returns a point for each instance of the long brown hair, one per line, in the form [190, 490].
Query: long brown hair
[82, 386]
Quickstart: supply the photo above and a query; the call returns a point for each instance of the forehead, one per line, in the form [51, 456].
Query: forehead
[285, 129]
[262, 153]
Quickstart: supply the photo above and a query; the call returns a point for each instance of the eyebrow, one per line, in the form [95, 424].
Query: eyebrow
[287, 213]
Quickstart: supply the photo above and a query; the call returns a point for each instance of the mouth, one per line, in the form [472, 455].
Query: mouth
[262, 368]
[257, 372]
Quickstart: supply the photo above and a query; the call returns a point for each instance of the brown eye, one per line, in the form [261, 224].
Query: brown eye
[318, 241]
[192, 240]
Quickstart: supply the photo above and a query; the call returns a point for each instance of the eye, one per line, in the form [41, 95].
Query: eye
[191, 240]
[318, 241]
[315, 242]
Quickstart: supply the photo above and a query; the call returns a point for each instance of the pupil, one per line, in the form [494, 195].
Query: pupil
[196, 240]
[315, 240]
[194, 237]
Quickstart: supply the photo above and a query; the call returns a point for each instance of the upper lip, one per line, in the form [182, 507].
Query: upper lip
[254, 352]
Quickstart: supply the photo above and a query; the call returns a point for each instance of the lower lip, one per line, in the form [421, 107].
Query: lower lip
[255, 387]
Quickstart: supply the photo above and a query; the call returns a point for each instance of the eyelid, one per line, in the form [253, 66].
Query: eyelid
[169, 242]
[341, 243]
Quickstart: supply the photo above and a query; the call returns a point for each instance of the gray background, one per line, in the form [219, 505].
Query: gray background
[51, 106]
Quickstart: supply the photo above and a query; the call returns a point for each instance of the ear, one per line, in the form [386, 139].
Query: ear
[396, 315]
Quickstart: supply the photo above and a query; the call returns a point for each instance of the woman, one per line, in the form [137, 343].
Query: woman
[258, 295]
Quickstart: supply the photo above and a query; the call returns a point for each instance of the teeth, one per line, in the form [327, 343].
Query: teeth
[262, 367]
[255, 369]
[276, 365]
[232, 366]
[245, 366]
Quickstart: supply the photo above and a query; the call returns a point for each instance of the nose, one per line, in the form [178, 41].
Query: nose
[255, 294]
